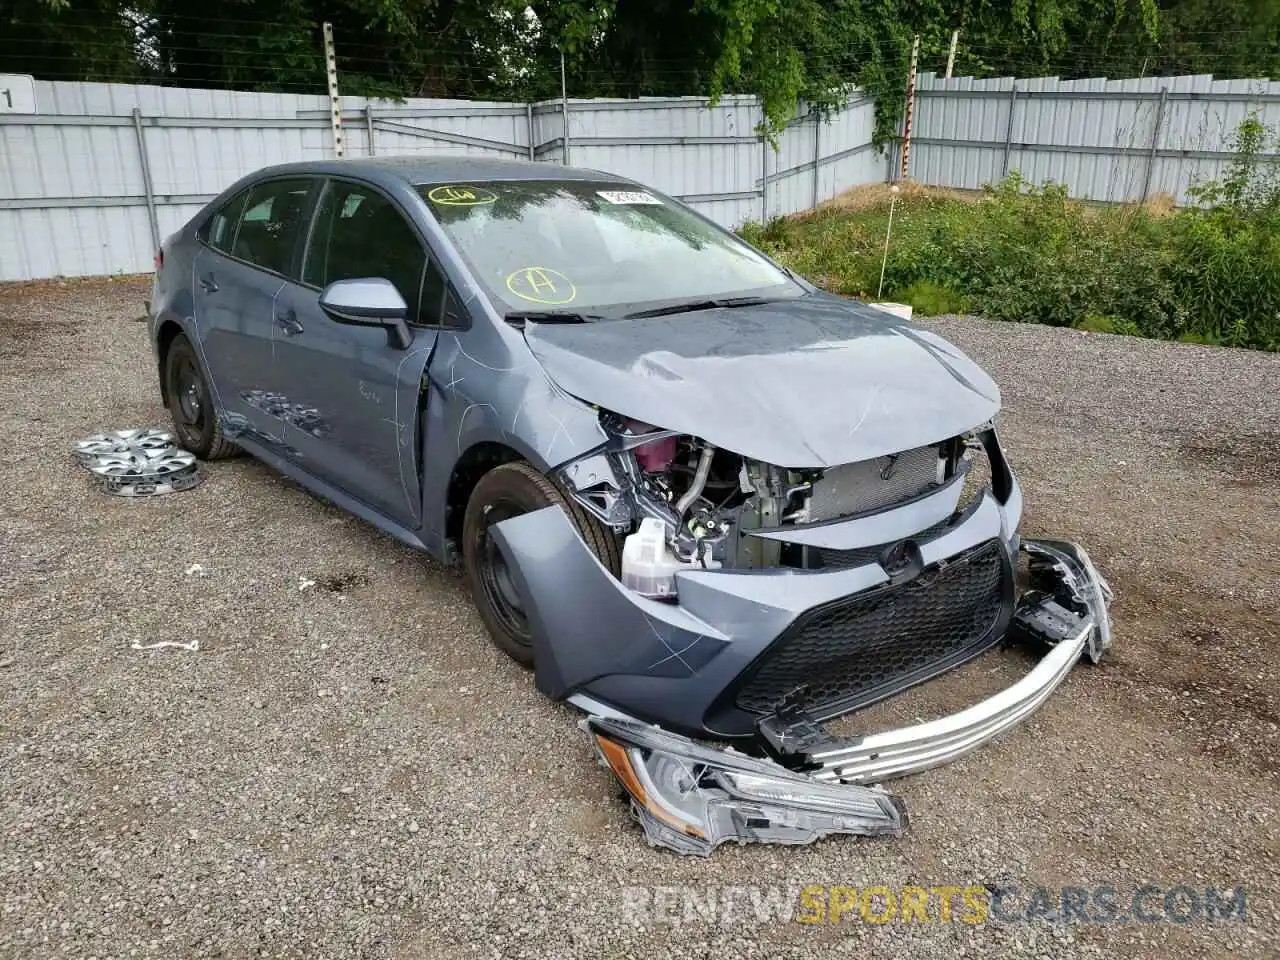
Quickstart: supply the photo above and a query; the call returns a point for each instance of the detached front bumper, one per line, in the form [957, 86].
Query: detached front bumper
[1067, 611]
[740, 642]
[690, 798]
[653, 675]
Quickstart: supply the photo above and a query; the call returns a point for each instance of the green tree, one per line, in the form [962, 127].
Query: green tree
[787, 51]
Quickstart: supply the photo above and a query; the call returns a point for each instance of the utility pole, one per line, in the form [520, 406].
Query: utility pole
[335, 104]
[951, 54]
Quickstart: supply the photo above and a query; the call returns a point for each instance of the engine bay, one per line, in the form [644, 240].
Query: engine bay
[683, 503]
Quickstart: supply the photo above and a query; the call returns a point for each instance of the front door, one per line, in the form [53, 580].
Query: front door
[352, 397]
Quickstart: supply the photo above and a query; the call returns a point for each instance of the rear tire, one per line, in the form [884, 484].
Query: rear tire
[195, 419]
[508, 491]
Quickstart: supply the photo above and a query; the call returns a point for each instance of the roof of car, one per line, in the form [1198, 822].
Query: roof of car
[445, 168]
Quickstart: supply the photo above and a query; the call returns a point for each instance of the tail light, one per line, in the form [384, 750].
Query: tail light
[159, 260]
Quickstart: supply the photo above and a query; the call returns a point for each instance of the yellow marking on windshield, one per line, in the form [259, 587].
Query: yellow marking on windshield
[458, 195]
[541, 285]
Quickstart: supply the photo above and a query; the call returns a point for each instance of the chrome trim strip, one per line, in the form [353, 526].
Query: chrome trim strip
[924, 745]
[598, 708]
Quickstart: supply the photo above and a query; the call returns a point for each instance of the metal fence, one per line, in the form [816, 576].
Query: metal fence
[1107, 140]
[93, 180]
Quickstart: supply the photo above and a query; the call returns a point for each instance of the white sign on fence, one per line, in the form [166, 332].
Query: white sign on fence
[17, 93]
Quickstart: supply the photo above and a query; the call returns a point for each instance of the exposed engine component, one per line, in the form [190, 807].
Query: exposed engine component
[865, 487]
[699, 483]
[766, 487]
[679, 481]
[649, 565]
[707, 502]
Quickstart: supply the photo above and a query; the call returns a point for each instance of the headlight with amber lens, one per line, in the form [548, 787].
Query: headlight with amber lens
[691, 798]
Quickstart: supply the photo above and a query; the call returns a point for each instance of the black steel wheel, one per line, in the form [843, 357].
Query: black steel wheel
[195, 419]
[508, 491]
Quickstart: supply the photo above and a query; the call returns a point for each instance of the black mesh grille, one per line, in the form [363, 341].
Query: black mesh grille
[858, 649]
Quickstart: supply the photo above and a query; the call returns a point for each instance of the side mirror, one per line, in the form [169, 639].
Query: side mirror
[369, 302]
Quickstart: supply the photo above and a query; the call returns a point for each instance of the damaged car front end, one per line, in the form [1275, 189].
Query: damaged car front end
[757, 601]
[705, 501]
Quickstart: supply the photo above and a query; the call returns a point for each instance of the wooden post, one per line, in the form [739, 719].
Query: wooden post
[1155, 142]
[564, 109]
[911, 106]
[335, 104]
[951, 54]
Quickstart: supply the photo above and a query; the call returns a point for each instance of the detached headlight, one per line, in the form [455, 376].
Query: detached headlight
[691, 798]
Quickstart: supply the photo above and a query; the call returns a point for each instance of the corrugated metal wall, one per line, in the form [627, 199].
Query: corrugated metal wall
[1108, 140]
[72, 190]
[710, 157]
[73, 195]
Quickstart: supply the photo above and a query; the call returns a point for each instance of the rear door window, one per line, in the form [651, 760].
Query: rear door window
[359, 233]
[272, 224]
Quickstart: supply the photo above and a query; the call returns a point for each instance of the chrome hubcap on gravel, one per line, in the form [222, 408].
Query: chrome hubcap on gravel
[138, 463]
[122, 443]
[150, 465]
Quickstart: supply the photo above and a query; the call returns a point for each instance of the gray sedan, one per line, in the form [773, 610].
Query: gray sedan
[698, 496]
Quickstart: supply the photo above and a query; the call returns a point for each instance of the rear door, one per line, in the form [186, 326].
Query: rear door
[251, 249]
[355, 397]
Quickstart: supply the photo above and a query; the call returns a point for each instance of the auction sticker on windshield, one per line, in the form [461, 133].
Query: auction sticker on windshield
[457, 195]
[629, 197]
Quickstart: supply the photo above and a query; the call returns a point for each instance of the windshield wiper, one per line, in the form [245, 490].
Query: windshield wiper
[695, 305]
[519, 318]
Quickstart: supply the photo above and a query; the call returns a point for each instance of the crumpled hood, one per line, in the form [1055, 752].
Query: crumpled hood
[805, 383]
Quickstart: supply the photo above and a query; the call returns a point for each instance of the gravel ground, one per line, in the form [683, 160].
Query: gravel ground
[352, 770]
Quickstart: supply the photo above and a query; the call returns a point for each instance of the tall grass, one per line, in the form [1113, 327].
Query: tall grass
[1024, 253]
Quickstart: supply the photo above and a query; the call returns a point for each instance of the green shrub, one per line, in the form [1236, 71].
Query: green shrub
[1027, 253]
[1206, 339]
[1098, 323]
[929, 299]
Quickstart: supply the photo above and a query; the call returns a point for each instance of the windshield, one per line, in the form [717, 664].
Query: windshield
[594, 247]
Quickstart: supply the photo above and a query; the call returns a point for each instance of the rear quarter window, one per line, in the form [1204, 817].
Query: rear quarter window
[219, 231]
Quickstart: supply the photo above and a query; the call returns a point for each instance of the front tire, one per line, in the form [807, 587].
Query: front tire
[508, 491]
[195, 419]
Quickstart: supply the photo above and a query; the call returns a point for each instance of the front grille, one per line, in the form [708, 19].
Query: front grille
[867, 646]
[874, 484]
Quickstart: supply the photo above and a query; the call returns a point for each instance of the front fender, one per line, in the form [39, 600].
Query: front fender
[484, 386]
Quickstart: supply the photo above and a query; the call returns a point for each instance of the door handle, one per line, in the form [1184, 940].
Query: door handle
[208, 283]
[287, 320]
